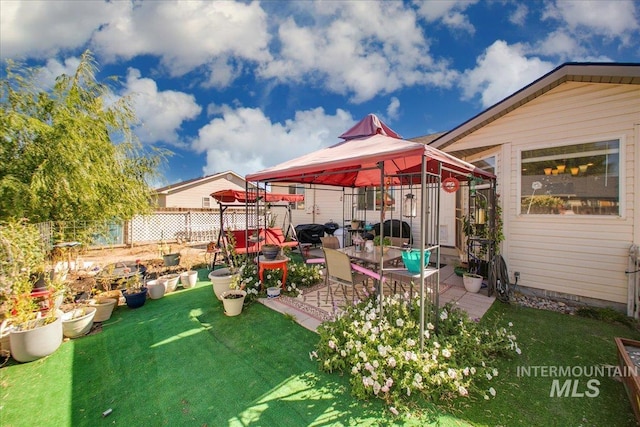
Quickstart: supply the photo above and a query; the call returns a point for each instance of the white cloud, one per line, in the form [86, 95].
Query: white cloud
[360, 49]
[47, 75]
[449, 12]
[393, 109]
[40, 29]
[502, 70]
[519, 15]
[246, 141]
[611, 19]
[160, 112]
[187, 35]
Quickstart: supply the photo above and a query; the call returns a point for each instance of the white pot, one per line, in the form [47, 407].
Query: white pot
[5, 329]
[104, 307]
[233, 306]
[220, 279]
[189, 278]
[73, 327]
[171, 282]
[472, 282]
[273, 292]
[156, 288]
[36, 343]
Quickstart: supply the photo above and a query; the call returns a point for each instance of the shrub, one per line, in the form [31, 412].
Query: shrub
[381, 353]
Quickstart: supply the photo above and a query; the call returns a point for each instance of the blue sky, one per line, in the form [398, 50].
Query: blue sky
[246, 85]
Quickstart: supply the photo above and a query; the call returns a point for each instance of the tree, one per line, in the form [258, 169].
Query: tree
[69, 153]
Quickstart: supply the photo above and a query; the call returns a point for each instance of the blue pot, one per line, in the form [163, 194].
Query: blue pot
[135, 300]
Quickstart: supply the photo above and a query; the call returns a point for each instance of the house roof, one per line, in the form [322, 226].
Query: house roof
[195, 181]
[611, 73]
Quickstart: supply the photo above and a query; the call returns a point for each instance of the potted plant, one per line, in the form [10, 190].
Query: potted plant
[188, 278]
[78, 321]
[222, 278]
[270, 251]
[233, 301]
[472, 282]
[384, 242]
[36, 326]
[170, 281]
[135, 293]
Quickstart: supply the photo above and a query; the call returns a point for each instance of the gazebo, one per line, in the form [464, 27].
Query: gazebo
[373, 155]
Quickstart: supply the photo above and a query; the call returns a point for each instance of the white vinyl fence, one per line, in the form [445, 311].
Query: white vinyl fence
[169, 226]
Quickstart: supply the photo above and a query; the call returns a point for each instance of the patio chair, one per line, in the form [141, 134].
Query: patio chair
[340, 270]
[330, 242]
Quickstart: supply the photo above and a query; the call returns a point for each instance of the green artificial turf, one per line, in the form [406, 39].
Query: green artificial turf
[180, 361]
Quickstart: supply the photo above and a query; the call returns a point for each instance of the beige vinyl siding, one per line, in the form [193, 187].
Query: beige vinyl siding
[578, 255]
[191, 196]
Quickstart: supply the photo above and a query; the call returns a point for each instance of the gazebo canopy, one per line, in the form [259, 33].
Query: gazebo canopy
[232, 196]
[355, 161]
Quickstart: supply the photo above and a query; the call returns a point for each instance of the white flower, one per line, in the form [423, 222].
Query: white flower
[446, 352]
[452, 373]
[393, 410]
[332, 345]
[489, 376]
[463, 391]
[411, 342]
[510, 324]
[486, 397]
[430, 326]
[495, 372]
[492, 391]
[399, 323]
[444, 315]
[518, 350]
[391, 362]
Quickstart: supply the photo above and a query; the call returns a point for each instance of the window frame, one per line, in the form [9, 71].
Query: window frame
[620, 139]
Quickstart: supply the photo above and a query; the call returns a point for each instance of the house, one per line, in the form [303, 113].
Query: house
[195, 193]
[566, 152]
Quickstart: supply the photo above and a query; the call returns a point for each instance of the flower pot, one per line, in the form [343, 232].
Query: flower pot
[273, 292]
[233, 300]
[104, 307]
[472, 282]
[5, 329]
[32, 344]
[171, 282]
[220, 280]
[156, 289]
[171, 260]
[189, 278]
[135, 300]
[78, 322]
[270, 252]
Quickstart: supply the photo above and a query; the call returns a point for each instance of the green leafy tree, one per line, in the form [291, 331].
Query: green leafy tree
[69, 152]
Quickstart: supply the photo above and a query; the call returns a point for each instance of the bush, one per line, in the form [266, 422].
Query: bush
[382, 355]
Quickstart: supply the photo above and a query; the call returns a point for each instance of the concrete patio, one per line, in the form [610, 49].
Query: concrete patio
[315, 305]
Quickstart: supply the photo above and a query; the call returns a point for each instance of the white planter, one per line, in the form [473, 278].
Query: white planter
[171, 282]
[233, 306]
[472, 282]
[73, 327]
[104, 307]
[5, 329]
[220, 279]
[189, 278]
[156, 288]
[273, 292]
[34, 344]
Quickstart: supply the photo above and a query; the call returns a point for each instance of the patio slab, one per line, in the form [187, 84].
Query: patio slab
[315, 306]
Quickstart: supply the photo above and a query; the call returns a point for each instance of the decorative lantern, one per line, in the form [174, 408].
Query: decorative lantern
[410, 209]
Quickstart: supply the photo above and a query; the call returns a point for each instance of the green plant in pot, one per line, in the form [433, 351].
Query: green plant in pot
[36, 325]
[377, 240]
[135, 293]
[270, 251]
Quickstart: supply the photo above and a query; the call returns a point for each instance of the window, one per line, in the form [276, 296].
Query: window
[371, 199]
[297, 189]
[580, 179]
[206, 202]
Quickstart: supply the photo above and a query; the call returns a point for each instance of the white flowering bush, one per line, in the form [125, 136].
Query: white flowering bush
[299, 276]
[382, 354]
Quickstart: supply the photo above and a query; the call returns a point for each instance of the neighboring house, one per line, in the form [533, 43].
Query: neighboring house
[196, 193]
[566, 152]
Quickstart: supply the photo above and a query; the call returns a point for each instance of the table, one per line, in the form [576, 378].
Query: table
[373, 257]
[272, 264]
